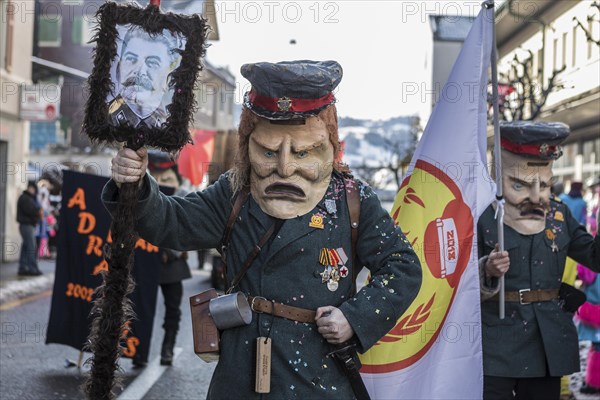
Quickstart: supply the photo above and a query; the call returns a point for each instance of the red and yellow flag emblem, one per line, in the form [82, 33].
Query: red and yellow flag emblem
[432, 214]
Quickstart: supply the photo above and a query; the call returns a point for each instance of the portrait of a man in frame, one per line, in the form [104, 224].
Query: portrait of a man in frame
[141, 76]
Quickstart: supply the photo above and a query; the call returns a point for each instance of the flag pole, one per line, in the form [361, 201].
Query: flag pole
[498, 162]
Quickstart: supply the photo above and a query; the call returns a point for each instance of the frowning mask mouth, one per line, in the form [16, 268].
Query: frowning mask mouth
[280, 189]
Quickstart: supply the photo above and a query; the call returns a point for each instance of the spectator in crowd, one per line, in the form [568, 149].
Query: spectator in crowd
[574, 200]
[589, 313]
[29, 214]
[43, 228]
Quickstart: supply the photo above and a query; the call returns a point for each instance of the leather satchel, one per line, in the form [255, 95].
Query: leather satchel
[205, 332]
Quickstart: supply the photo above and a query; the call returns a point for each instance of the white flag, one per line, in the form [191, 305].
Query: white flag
[434, 351]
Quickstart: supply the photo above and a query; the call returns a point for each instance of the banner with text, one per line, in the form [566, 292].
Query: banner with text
[83, 232]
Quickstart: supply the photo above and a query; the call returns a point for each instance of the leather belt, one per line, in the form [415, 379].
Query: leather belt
[526, 296]
[262, 305]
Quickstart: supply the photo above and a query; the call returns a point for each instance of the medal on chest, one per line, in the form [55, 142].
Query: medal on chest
[333, 261]
[551, 235]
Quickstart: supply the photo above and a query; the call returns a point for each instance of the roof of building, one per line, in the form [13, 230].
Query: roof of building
[222, 72]
[450, 28]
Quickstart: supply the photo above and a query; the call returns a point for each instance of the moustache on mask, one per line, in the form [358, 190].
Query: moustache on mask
[529, 209]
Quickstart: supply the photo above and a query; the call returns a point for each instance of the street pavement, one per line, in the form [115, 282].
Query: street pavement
[30, 369]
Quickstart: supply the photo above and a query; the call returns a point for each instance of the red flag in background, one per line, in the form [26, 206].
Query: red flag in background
[194, 158]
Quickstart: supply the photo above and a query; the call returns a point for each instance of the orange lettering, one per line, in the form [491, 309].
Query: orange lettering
[87, 223]
[77, 199]
[150, 248]
[132, 343]
[103, 266]
[141, 243]
[95, 245]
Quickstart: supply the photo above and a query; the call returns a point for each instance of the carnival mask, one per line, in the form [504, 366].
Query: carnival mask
[291, 166]
[526, 183]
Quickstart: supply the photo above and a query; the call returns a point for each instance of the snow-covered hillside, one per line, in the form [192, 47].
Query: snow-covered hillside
[371, 146]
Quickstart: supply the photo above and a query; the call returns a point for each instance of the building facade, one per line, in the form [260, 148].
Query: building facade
[559, 36]
[63, 56]
[449, 33]
[16, 38]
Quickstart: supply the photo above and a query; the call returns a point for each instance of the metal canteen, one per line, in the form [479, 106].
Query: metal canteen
[230, 310]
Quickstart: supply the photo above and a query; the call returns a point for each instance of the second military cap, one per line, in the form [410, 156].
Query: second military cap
[159, 161]
[291, 89]
[534, 139]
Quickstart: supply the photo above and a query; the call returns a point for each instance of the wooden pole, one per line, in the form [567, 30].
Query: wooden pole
[498, 159]
[80, 360]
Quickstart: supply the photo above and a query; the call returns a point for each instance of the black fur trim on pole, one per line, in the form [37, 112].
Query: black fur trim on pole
[112, 309]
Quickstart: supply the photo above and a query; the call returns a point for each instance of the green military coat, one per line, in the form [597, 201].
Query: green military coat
[534, 335]
[288, 271]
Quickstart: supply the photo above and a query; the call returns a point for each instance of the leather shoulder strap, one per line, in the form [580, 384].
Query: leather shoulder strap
[240, 199]
[255, 251]
[353, 201]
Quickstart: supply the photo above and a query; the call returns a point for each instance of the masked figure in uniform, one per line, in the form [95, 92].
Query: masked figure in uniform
[300, 284]
[536, 343]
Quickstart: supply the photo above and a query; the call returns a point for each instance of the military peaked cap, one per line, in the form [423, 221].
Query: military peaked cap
[159, 161]
[291, 89]
[534, 139]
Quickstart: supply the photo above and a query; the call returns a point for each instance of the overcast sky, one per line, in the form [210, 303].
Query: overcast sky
[381, 45]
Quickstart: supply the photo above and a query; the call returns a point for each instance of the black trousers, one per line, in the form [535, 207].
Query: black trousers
[498, 388]
[172, 292]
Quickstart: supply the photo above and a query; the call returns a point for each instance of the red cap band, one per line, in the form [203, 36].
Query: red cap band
[287, 104]
[531, 149]
[162, 165]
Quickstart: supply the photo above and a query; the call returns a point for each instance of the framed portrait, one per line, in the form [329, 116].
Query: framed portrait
[145, 67]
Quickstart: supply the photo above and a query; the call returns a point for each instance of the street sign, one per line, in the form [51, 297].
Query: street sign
[40, 102]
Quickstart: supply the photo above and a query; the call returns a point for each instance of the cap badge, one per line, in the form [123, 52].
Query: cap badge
[544, 149]
[284, 104]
